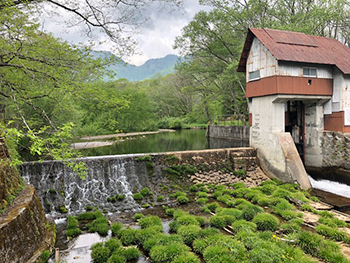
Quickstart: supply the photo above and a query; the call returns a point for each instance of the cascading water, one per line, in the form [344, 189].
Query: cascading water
[58, 186]
[331, 187]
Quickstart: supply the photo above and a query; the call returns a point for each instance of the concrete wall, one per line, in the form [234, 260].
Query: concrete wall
[228, 132]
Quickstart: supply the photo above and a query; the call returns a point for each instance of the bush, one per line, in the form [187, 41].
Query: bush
[202, 201]
[169, 211]
[187, 257]
[179, 193]
[100, 254]
[330, 232]
[182, 199]
[86, 216]
[243, 225]
[239, 185]
[145, 191]
[265, 221]
[116, 228]
[74, 232]
[149, 221]
[201, 220]
[116, 258]
[287, 214]
[137, 196]
[160, 198]
[206, 232]
[162, 239]
[189, 233]
[213, 206]
[285, 205]
[202, 194]
[113, 244]
[188, 220]
[193, 188]
[99, 225]
[137, 216]
[165, 254]
[129, 236]
[131, 253]
[44, 257]
[248, 213]
[174, 226]
[149, 232]
[178, 213]
[240, 192]
[72, 227]
[214, 254]
[217, 221]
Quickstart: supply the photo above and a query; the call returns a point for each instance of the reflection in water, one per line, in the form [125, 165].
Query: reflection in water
[182, 140]
[331, 187]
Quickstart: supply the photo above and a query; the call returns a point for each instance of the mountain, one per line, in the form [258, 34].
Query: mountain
[150, 69]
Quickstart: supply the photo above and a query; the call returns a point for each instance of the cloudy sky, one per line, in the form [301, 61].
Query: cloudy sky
[155, 39]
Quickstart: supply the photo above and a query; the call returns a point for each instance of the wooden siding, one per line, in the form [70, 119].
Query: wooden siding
[335, 122]
[289, 85]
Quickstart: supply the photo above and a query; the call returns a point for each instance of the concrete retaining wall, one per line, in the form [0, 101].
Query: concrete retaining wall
[24, 230]
[228, 132]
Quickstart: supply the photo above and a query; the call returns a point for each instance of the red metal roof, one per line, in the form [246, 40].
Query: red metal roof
[298, 47]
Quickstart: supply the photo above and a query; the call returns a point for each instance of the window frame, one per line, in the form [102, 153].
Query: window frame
[254, 78]
[309, 73]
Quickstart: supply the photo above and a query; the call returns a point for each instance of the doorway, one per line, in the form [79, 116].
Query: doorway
[295, 124]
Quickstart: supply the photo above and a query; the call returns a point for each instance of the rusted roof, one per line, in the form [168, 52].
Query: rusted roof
[298, 47]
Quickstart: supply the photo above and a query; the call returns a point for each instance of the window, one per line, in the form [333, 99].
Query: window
[309, 72]
[253, 75]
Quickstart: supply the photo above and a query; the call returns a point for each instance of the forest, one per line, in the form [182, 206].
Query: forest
[52, 91]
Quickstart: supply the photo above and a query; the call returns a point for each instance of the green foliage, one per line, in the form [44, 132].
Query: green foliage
[160, 198]
[129, 236]
[131, 253]
[217, 221]
[137, 216]
[100, 254]
[187, 257]
[145, 192]
[86, 216]
[44, 257]
[202, 201]
[330, 232]
[137, 196]
[150, 221]
[189, 233]
[182, 199]
[213, 206]
[116, 258]
[116, 228]
[202, 194]
[113, 244]
[243, 225]
[193, 188]
[72, 227]
[265, 221]
[99, 225]
[164, 254]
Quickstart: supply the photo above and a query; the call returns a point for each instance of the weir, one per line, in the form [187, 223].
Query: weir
[108, 177]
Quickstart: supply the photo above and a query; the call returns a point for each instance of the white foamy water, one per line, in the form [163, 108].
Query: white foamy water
[331, 187]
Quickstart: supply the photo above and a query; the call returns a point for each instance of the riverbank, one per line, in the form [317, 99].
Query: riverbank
[93, 141]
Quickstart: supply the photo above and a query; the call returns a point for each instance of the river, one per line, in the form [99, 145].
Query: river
[182, 140]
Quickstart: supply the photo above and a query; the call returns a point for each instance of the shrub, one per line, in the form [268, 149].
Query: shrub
[285, 205]
[240, 192]
[206, 232]
[120, 197]
[239, 185]
[230, 211]
[248, 213]
[188, 220]
[129, 236]
[45, 256]
[282, 193]
[187, 257]
[201, 220]
[202, 194]
[150, 221]
[174, 226]
[178, 213]
[332, 222]
[99, 225]
[267, 188]
[202, 201]
[265, 221]
[137, 196]
[137, 216]
[160, 198]
[212, 206]
[169, 211]
[86, 216]
[243, 225]
[100, 254]
[116, 228]
[88, 208]
[203, 188]
[72, 222]
[165, 254]
[149, 232]
[330, 232]
[179, 193]
[217, 221]
[213, 254]
[287, 214]
[145, 191]
[162, 239]
[193, 188]
[131, 253]
[189, 233]
[116, 258]
[182, 199]
[113, 244]
[74, 232]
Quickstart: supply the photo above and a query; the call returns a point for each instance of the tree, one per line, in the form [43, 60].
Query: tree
[213, 41]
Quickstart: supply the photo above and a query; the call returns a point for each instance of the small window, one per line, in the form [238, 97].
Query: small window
[253, 75]
[310, 72]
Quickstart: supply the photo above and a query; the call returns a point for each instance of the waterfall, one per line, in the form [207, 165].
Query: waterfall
[58, 186]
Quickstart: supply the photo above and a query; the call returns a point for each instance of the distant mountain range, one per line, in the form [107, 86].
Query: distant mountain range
[150, 69]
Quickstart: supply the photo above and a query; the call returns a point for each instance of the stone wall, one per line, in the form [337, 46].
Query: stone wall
[336, 150]
[228, 132]
[24, 230]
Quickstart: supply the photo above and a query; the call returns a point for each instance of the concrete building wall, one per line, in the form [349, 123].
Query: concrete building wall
[314, 122]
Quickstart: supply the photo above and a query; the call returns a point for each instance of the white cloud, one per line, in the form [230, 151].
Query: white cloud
[155, 39]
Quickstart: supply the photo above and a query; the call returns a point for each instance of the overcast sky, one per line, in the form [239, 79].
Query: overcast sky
[155, 40]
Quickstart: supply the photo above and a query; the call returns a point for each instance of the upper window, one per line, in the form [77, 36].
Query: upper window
[253, 75]
[309, 72]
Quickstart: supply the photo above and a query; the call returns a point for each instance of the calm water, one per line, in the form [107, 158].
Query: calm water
[164, 142]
